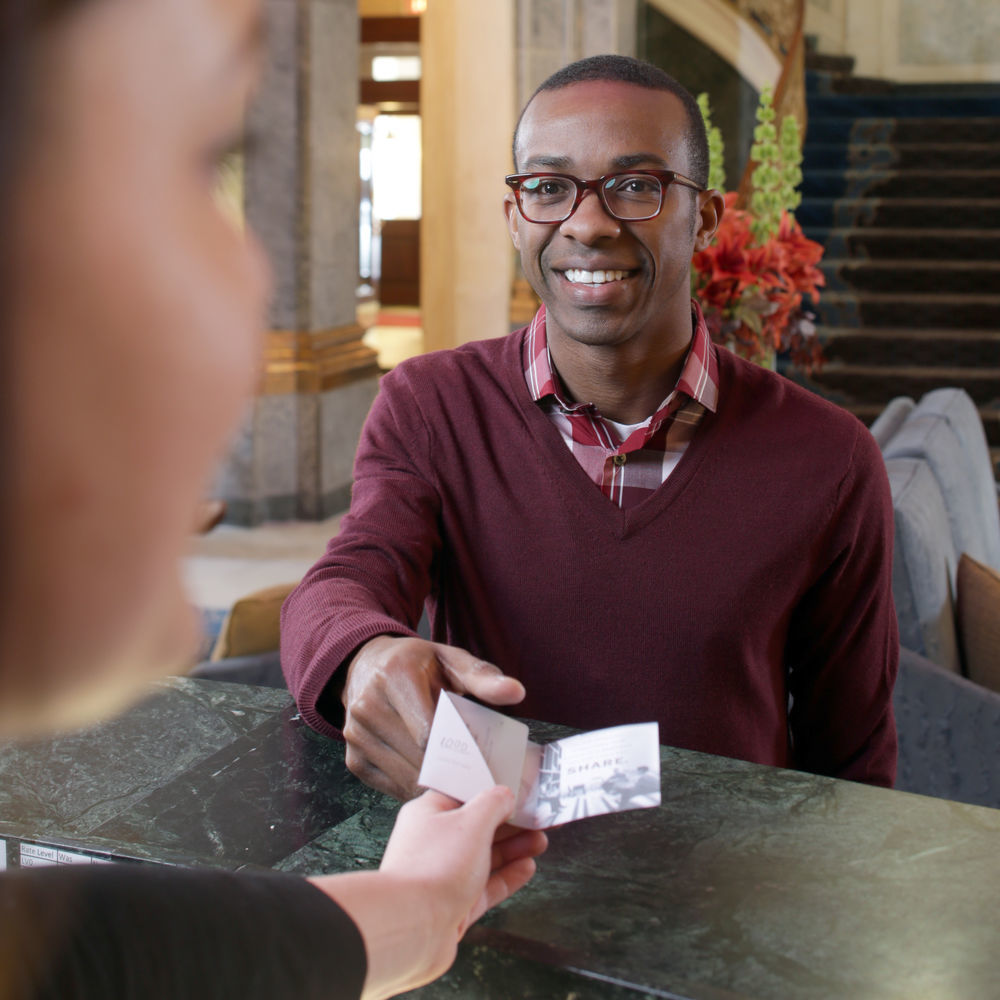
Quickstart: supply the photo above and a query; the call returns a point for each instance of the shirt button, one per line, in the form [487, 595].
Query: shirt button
[620, 460]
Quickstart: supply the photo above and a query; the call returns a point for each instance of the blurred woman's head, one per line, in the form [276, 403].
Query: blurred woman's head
[130, 316]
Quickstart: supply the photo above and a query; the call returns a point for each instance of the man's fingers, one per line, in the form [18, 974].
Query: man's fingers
[377, 764]
[369, 729]
[467, 674]
[414, 698]
[392, 694]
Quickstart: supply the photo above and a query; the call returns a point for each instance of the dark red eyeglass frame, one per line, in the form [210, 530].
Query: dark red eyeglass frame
[665, 177]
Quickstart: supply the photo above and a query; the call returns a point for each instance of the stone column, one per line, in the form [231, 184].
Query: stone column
[467, 106]
[294, 455]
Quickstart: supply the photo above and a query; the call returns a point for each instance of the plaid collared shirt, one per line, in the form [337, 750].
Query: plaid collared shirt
[626, 471]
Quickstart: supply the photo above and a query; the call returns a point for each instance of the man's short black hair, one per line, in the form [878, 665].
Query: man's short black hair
[624, 69]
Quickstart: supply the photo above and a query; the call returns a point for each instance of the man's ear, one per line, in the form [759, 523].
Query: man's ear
[513, 219]
[711, 207]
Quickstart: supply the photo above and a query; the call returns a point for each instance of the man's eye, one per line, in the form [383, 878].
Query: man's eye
[546, 187]
[635, 188]
[638, 185]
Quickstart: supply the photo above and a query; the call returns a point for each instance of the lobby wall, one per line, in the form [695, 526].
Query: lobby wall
[912, 41]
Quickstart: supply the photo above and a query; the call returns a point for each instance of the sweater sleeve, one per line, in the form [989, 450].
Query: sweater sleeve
[843, 647]
[376, 574]
[124, 931]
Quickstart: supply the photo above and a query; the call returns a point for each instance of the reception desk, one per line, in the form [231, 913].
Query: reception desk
[747, 882]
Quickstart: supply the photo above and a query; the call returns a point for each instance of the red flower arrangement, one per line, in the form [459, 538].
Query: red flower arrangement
[754, 280]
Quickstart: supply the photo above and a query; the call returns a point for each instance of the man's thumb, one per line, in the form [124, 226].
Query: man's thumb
[467, 674]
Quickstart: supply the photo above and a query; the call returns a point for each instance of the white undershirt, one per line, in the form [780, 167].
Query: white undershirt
[624, 430]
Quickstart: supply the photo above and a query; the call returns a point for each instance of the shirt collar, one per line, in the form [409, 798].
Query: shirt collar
[699, 378]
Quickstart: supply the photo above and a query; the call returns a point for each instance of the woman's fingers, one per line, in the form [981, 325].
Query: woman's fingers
[523, 844]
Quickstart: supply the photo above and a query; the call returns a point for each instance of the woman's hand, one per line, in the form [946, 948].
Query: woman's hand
[444, 866]
[455, 853]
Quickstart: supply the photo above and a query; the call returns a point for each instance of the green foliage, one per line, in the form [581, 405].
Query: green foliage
[791, 157]
[778, 173]
[716, 147]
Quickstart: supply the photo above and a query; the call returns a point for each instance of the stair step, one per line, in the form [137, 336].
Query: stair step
[896, 213]
[899, 130]
[889, 183]
[910, 347]
[910, 244]
[914, 309]
[838, 70]
[906, 105]
[879, 383]
[966, 277]
[902, 187]
[902, 156]
[830, 63]
[832, 80]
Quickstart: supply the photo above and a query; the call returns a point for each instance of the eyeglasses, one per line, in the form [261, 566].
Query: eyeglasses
[630, 197]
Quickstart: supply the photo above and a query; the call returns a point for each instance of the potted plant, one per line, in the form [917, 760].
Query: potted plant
[755, 279]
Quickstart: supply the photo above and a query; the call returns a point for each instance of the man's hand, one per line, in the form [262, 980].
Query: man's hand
[389, 696]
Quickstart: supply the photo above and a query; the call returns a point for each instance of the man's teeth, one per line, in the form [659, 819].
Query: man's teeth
[581, 277]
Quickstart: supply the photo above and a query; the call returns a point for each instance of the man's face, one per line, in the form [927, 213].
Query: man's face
[590, 129]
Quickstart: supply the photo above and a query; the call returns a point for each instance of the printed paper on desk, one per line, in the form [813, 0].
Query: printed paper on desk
[471, 748]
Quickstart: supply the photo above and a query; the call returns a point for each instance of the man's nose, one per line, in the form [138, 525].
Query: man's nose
[591, 221]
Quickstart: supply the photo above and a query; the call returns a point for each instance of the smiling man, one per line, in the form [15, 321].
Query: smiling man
[609, 518]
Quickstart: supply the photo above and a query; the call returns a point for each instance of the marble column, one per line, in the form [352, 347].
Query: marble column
[293, 456]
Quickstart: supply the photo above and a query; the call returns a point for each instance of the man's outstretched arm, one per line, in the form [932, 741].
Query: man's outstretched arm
[349, 647]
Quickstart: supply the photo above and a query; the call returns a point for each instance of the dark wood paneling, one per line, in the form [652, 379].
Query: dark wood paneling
[397, 91]
[390, 29]
[400, 281]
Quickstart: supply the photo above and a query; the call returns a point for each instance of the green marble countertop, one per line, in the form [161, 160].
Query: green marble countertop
[747, 882]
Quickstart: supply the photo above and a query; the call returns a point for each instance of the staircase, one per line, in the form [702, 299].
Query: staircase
[902, 187]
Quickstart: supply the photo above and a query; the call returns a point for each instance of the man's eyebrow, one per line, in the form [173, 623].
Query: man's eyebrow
[624, 162]
[638, 159]
[548, 162]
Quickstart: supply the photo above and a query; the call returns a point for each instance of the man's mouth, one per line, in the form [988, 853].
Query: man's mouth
[578, 276]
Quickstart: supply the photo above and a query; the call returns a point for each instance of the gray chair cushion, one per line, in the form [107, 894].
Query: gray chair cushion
[924, 563]
[891, 419]
[933, 439]
[261, 669]
[956, 407]
[949, 734]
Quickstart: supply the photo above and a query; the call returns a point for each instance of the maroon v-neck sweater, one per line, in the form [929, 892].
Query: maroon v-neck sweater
[746, 605]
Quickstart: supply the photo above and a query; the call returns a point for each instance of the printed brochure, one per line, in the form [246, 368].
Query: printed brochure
[471, 747]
